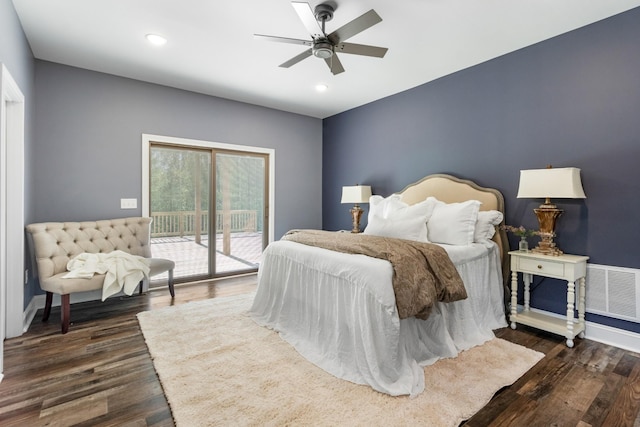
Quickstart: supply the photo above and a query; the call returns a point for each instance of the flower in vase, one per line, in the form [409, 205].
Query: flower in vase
[520, 231]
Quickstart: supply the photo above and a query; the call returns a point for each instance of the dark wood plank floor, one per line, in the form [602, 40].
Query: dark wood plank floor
[591, 384]
[100, 373]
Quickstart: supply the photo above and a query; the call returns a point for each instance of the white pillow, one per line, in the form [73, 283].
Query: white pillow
[453, 223]
[379, 206]
[402, 222]
[486, 225]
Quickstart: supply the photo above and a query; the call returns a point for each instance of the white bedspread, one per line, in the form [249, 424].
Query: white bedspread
[121, 269]
[338, 311]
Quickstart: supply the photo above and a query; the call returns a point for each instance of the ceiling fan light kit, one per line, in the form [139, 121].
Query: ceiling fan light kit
[322, 50]
[324, 45]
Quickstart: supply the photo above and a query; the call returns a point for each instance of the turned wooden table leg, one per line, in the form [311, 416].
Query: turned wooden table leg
[581, 306]
[570, 307]
[527, 279]
[514, 298]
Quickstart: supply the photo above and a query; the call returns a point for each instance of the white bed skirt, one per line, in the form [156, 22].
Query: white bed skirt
[339, 312]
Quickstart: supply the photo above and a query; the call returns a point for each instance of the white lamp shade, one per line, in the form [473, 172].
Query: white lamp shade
[563, 183]
[356, 194]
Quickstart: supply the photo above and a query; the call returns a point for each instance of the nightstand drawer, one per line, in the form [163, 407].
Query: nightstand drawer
[543, 267]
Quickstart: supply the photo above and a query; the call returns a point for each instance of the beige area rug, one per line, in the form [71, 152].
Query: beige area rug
[219, 368]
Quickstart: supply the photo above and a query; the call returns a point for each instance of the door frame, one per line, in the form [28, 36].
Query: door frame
[147, 139]
[11, 210]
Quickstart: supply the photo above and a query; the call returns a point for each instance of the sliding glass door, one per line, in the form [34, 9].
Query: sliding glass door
[240, 211]
[208, 208]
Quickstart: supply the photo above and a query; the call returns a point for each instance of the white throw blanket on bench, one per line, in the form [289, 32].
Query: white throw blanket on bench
[121, 270]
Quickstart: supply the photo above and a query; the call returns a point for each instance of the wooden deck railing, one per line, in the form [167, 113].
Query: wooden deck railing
[183, 223]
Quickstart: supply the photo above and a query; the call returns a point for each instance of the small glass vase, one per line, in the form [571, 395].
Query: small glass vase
[523, 244]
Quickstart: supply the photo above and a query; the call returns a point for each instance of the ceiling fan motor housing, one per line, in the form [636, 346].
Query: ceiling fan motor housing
[322, 49]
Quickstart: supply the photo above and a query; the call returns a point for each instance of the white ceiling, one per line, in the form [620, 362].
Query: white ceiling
[211, 48]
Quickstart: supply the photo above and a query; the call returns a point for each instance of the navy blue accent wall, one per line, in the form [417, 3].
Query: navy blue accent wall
[573, 100]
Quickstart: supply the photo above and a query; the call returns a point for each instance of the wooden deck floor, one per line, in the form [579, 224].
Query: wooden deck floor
[191, 258]
[101, 374]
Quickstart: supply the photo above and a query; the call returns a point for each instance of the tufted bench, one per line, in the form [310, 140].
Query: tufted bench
[53, 244]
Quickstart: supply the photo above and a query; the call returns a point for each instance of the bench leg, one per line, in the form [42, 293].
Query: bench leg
[144, 284]
[171, 290]
[47, 307]
[65, 312]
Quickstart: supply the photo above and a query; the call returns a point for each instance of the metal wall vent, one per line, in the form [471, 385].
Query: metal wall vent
[613, 292]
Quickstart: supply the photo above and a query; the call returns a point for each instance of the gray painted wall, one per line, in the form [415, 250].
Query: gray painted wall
[16, 55]
[88, 143]
[15, 52]
[570, 101]
[88, 149]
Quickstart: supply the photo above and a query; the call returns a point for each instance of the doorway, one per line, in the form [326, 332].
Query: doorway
[209, 205]
[11, 209]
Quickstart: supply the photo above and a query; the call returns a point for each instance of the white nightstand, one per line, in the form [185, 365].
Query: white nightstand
[571, 268]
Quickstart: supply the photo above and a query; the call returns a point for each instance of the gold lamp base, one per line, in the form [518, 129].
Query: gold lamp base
[356, 214]
[547, 215]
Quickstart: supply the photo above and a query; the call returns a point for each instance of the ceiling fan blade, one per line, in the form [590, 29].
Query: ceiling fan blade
[352, 28]
[334, 64]
[283, 40]
[361, 49]
[296, 59]
[308, 18]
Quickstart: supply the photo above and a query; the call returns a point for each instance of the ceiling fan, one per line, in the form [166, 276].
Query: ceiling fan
[325, 46]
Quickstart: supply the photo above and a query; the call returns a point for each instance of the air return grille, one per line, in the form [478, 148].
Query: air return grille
[613, 292]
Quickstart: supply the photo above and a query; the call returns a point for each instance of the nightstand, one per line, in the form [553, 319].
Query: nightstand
[571, 268]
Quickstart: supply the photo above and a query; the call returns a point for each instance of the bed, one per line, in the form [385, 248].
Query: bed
[339, 310]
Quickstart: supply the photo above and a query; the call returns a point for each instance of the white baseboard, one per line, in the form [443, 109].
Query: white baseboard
[604, 334]
[40, 300]
[620, 338]
[29, 314]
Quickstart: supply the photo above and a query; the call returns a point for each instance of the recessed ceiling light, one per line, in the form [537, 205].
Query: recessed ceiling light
[156, 39]
[321, 87]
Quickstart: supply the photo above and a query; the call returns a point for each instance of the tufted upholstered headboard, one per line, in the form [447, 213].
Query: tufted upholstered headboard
[55, 243]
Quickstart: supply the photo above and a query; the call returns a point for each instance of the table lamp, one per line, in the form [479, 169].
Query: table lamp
[356, 194]
[547, 183]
